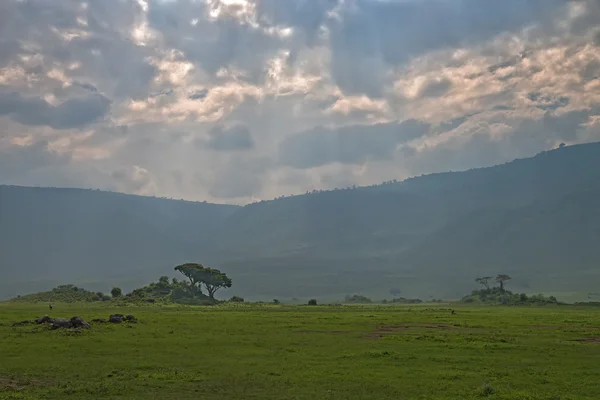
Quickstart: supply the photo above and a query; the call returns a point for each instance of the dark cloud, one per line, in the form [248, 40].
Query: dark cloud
[548, 102]
[306, 16]
[87, 86]
[72, 113]
[435, 88]
[96, 39]
[480, 149]
[236, 137]
[198, 95]
[213, 44]
[348, 145]
[395, 31]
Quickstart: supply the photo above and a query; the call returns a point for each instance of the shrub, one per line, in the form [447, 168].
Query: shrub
[116, 292]
[236, 299]
[486, 390]
[312, 302]
[275, 301]
[358, 299]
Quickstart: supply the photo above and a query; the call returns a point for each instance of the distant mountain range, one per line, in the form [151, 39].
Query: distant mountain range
[537, 219]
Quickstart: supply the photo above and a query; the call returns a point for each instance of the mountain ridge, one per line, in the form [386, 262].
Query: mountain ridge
[535, 218]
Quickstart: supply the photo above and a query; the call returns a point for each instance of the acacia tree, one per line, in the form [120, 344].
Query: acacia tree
[194, 273]
[213, 280]
[501, 279]
[484, 281]
[199, 275]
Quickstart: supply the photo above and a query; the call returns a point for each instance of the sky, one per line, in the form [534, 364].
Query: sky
[232, 101]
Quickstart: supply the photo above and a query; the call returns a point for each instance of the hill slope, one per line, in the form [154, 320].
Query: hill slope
[71, 235]
[537, 219]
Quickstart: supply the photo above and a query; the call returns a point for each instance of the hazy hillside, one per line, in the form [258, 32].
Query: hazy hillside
[64, 235]
[537, 219]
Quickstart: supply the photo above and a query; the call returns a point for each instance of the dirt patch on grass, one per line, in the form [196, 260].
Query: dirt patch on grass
[328, 332]
[564, 327]
[15, 384]
[383, 329]
[391, 328]
[595, 340]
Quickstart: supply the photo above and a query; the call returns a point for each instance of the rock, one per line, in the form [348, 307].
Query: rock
[130, 318]
[79, 322]
[64, 323]
[116, 318]
[22, 323]
[44, 320]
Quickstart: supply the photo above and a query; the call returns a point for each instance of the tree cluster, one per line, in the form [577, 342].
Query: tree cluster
[200, 276]
[501, 279]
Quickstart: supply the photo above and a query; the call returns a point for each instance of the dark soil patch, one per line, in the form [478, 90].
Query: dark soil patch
[391, 328]
[328, 332]
[14, 384]
[564, 327]
[378, 333]
[374, 336]
[589, 340]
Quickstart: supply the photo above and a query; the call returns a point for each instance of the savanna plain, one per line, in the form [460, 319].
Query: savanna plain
[253, 351]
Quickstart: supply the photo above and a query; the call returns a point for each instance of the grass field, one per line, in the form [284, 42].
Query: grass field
[301, 352]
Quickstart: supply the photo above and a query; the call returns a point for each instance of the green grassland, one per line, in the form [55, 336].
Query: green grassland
[246, 351]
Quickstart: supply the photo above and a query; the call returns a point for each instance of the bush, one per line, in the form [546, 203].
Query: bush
[312, 302]
[116, 292]
[236, 299]
[486, 390]
[403, 300]
[275, 301]
[358, 299]
[506, 297]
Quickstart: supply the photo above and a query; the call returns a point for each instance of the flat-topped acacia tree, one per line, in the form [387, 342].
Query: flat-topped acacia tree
[199, 275]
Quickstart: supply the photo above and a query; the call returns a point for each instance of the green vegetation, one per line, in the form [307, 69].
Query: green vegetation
[505, 297]
[116, 292]
[249, 351]
[163, 291]
[428, 235]
[199, 275]
[63, 294]
[357, 299]
[403, 300]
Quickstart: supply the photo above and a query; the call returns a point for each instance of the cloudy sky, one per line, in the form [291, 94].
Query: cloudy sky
[231, 101]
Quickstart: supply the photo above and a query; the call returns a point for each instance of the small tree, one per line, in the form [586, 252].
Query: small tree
[312, 302]
[275, 301]
[213, 280]
[501, 279]
[484, 281]
[116, 292]
[236, 299]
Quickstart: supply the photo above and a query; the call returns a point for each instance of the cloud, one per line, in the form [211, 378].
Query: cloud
[236, 137]
[239, 100]
[73, 113]
[355, 144]
[199, 94]
[435, 88]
